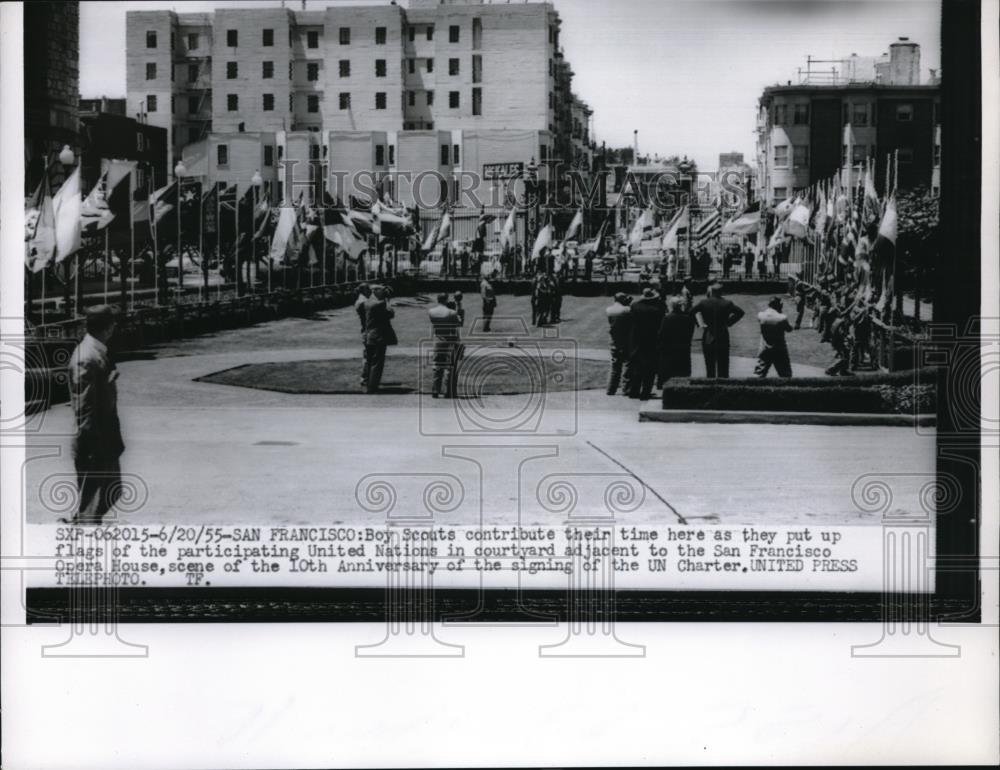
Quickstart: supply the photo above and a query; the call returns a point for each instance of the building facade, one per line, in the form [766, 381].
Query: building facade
[440, 87]
[808, 131]
[106, 132]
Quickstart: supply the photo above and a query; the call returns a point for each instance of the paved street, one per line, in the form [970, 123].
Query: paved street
[217, 454]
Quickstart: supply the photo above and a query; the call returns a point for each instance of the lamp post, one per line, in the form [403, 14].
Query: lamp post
[531, 215]
[180, 171]
[685, 167]
[68, 159]
[257, 181]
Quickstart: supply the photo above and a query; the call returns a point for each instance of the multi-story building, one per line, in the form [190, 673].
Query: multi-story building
[807, 131]
[108, 132]
[439, 87]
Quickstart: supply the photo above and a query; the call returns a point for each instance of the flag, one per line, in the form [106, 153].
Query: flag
[118, 190]
[798, 219]
[643, 223]
[777, 238]
[431, 239]
[484, 220]
[163, 202]
[347, 239]
[871, 206]
[507, 234]
[67, 205]
[543, 241]
[820, 222]
[574, 226]
[849, 152]
[783, 209]
[596, 245]
[888, 228]
[440, 233]
[707, 229]
[677, 226]
[288, 239]
[95, 214]
[40, 221]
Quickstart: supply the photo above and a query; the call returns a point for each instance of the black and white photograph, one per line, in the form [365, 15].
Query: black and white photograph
[569, 319]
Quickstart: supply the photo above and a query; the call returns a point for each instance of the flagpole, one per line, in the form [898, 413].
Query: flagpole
[156, 258]
[218, 241]
[201, 243]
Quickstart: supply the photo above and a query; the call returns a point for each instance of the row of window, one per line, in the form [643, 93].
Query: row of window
[857, 114]
[450, 154]
[312, 36]
[343, 99]
[859, 153]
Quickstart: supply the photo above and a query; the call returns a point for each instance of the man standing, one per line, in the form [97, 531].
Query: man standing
[715, 315]
[676, 332]
[379, 335]
[773, 349]
[364, 294]
[446, 326]
[619, 329]
[489, 302]
[555, 301]
[647, 314]
[97, 444]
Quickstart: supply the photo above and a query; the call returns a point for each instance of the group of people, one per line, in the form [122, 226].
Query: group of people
[651, 338]
[546, 298]
[842, 314]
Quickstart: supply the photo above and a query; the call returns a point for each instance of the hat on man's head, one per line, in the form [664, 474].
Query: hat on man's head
[649, 292]
[99, 318]
[775, 303]
[621, 298]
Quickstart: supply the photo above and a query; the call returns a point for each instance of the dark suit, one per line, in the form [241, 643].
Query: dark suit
[379, 334]
[717, 314]
[620, 331]
[646, 314]
[446, 325]
[676, 332]
[97, 444]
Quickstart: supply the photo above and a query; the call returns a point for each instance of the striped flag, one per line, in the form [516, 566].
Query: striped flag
[707, 229]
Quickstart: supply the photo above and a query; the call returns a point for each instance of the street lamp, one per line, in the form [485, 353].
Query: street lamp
[66, 156]
[257, 181]
[180, 171]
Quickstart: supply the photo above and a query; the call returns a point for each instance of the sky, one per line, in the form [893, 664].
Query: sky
[685, 73]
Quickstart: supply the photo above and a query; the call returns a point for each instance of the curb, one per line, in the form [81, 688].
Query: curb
[789, 418]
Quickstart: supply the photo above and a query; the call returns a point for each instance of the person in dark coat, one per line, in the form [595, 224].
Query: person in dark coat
[773, 349]
[97, 443]
[364, 294]
[620, 332]
[379, 335]
[446, 325]
[647, 314]
[489, 298]
[715, 314]
[674, 338]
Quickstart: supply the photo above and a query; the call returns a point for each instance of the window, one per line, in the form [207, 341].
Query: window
[454, 154]
[173, 104]
[937, 154]
[477, 69]
[543, 152]
[380, 100]
[453, 100]
[859, 115]
[345, 100]
[800, 155]
[905, 154]
[552, 101]
[453, 66]
[379, 154]
[232, 102]
[392, 155]
[859, 153]
[312, 39]
[345, 68]
[151, 103]
[477, 34]
[192, 73]
[379, 35]
[291, 70]
[313, 152]
[232, 70]
[380, 68]
[345, 35]
[268, 102]
[411, 97]
[430, 65]
[150, 70]
[194, 134]
[430, 31]
[780, 114]
[232, 38]
[411, 65]
[477, 101]
[268, 154]
[904, 113]
[430, 98]
[151, 39]
[453, 33]
[445, 155]
[800, 115]
[312, 103]
[140, 143]
[267, 37]
[193, 105]
[780, 193]
[222, 155]
[267, 70]
[781, 156]
[312, 71]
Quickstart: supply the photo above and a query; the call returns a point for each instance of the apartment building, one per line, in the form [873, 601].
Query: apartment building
[809, 130]
[436, 87]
